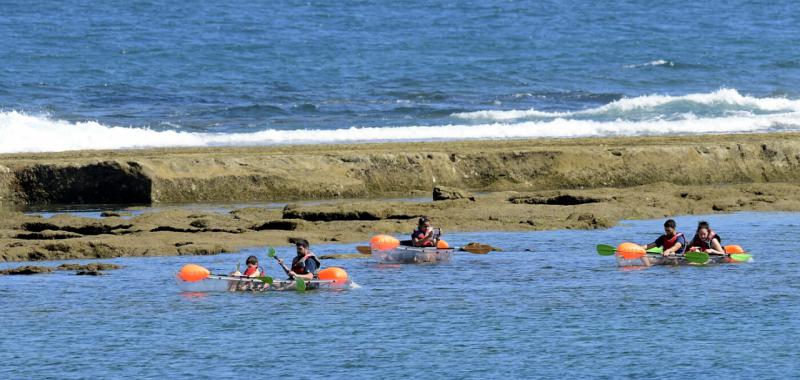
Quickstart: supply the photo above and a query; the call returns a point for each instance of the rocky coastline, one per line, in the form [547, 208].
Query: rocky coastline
[516, 185]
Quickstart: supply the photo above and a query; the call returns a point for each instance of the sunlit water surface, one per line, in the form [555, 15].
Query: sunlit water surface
[548, 306]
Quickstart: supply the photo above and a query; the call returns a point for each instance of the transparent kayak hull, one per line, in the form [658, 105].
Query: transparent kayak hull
[234, 284]
[656, 259]
[413, 255]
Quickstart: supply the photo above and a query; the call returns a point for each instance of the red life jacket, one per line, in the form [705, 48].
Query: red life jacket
[420, 234]
[299, 263]
[668, 243]
[705, 245]
[250, 270]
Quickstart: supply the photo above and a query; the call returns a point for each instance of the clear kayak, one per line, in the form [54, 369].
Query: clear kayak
[216, 283]
[402, 254]
[658, 259]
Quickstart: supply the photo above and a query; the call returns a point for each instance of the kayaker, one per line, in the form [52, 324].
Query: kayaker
[424, 235]
[706, 240]
[305, 265]
[671, 241]
[253, 270]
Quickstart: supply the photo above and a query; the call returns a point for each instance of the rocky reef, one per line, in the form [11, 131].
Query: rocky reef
[495, 185]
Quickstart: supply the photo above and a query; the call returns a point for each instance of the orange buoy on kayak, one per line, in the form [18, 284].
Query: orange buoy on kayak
[333, 273]
[733, 249]
[383, 242]
[441, 244]
[193, 273]
[630, 251]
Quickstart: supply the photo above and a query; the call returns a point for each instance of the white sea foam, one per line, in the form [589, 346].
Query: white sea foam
[720, 98]
[658, 62]
[25, 133]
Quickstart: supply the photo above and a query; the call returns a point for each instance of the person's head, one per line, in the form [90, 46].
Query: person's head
[702, 224]
[702, 232]
[252, 261]
[424, 222]
[302, 246]
[669, 227]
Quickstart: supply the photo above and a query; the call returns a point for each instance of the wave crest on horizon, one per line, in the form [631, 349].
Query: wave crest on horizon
[723, 111]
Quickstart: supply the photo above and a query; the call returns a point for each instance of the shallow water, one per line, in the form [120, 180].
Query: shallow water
[559, 310]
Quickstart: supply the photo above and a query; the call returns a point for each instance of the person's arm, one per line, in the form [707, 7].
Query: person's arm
[654, 244]
[311, 268]
[716, 247]
[414, 238]
[673, 249]
[677, 247]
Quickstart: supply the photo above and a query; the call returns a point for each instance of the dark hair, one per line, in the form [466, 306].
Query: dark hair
[702, 224]
[301, 242]
[252, 260]
[423, 219]
[670, 223]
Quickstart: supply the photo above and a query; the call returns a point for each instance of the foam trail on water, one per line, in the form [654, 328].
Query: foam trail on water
[20, 132]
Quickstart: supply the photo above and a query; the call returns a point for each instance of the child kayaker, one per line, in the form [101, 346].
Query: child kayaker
[671, 241]
[253, 270]
[424, 235]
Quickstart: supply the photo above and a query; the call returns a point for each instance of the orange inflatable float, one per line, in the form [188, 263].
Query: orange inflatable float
[733, 249]
[193, 273]
[336, 274]
[441, 244]
[630, 251]
[383, 242]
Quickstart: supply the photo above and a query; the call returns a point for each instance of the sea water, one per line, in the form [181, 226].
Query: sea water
[547, 306]
[81, 74]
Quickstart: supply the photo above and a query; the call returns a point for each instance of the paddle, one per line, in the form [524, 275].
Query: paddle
[271, 253]
[299, 283]
[478, 249]
[738, 257]
[696, 257]
[607, 250]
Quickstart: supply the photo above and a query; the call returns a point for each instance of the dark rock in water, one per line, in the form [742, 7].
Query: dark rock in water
[328, 213]
[99, 182]
[284, 225]
[587, 220]
[91, 267]
[199, 223]
[109, 214]
[90, 273]
[47, 235]
[202, 250]
[441, 193]
[473, 246]
[28, 269]
[560, 200]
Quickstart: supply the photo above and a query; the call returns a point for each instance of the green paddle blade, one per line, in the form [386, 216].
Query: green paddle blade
[697, 257]
[266, 279]
[271, 252]
[605, 250]
[300, 284]
[656, 250]
[741, 257]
